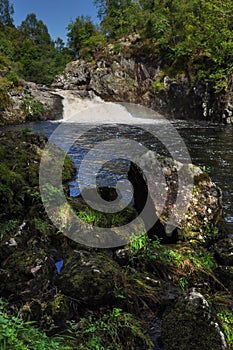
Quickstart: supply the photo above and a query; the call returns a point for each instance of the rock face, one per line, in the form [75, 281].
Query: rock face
[130, 76]
[182, 192]
[32, 102]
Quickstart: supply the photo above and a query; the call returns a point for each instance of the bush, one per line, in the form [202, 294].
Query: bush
[31, 106]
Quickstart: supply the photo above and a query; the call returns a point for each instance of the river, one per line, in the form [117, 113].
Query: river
[209, 145]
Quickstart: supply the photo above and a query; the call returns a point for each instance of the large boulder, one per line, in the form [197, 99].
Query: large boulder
[180, 197]
[89, 277]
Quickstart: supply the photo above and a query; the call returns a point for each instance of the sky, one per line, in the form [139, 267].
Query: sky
[56, 14]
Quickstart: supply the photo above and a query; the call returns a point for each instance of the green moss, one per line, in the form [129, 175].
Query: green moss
[59, 307]
[89, 271]
[186, 327]
[31, 107]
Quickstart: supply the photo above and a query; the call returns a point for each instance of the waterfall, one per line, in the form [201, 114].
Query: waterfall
[94, 110]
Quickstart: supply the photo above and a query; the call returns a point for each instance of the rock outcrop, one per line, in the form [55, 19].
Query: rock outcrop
[129, 75]
[32, 102]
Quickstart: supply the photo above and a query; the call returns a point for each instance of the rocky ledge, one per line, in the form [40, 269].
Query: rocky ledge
[123, 72]
[31, 102]
[113, 296]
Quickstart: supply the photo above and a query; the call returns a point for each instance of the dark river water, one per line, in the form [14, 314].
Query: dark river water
[209, 146]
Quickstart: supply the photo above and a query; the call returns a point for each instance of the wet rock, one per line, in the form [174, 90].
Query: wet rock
[189, 324]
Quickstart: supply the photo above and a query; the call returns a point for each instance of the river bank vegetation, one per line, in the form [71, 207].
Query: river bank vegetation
[56, 293]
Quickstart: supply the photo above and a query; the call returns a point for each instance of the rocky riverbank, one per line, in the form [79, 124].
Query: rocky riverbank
[124, 72]
[29, 102]
[112, 298]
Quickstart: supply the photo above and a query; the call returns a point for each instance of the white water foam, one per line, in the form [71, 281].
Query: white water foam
[97, 111]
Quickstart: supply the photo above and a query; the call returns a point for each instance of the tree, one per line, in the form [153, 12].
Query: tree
[83, 35]
[59, 44]
[6, 13]
[118, 17]
[35, 29]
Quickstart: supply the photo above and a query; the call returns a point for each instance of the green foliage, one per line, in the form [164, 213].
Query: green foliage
[33, 28]
[4, 62]
[83, 36]
[180, 264]
[6, 13]
[205, 170]
[11, 190]
[13, 79]
[211, 231]
[193, 37]
[118, 17]
[31, 106]
[183, 283]
[138, 243]
[28, 52]
[16, 334]
[143, 246]
[8, 226]
[115, 330]
[226, 321]
[5, 100]
[158, 85]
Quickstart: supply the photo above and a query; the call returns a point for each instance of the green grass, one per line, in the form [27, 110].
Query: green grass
[95, 218]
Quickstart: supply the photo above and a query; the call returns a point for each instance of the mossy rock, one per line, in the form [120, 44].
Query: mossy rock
[59, 308]
[26, 274]
[189, 325]
[89, 277]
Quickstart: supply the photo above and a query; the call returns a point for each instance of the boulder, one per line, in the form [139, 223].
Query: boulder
[89, 277]
[182, 201]
[189, 324]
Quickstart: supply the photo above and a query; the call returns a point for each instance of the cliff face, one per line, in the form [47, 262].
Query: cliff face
[131, 76]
